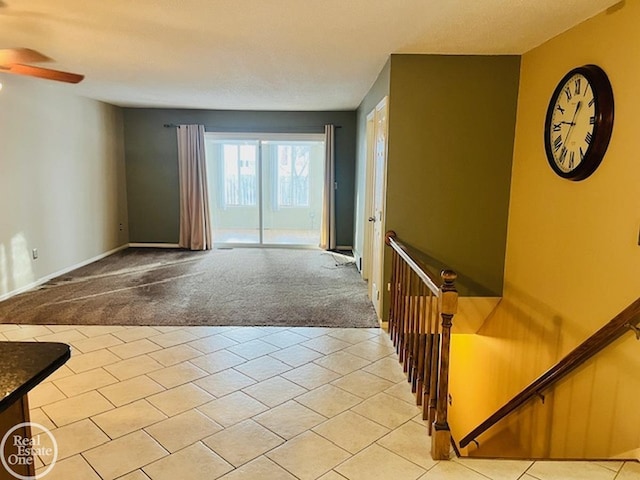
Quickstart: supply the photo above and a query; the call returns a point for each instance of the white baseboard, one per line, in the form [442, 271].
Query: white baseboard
[51, 276]
[358, 259]
[175, 245]
[154, 245]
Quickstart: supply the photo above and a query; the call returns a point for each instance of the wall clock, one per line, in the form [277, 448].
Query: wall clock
[579, 122]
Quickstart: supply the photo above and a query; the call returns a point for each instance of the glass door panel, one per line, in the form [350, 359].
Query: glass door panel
[265, 189]
[292, 183]
[233, 170]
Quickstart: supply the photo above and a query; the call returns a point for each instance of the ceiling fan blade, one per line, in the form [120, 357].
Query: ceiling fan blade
[9, 56]
[40, 72]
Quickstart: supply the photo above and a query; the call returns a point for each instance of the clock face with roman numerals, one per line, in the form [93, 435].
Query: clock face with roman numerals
[579, 122]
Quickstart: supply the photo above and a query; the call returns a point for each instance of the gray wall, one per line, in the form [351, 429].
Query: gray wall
[61, 182]
[152, 168]
[378, 91]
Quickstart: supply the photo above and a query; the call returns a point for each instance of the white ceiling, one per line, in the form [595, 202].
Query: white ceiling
[266, 54]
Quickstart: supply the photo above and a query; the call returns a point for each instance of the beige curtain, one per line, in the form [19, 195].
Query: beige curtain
[328, 228]
[195, 223]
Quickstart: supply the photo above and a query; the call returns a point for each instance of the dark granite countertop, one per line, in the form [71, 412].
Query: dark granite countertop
[23, 365]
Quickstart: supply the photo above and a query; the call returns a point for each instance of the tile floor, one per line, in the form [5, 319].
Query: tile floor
[140, 403]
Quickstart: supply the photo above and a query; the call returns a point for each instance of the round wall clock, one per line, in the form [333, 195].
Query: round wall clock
[579, 122]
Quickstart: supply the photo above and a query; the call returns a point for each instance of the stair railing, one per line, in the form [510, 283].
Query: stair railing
[420, 320]
[622, 323]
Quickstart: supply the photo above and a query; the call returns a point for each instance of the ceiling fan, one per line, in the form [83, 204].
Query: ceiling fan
[15, 60]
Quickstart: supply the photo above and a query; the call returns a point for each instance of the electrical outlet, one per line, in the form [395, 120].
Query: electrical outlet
[34, 253]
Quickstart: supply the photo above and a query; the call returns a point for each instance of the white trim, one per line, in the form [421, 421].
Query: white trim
[231, 246]
[51, 276]
[154, 245]
[225, 246]
[370, 166]
[358, 259]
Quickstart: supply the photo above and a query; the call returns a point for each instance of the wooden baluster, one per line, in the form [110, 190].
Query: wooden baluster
[430, 414]
[408, 354]
[428, 355]
[415, 313]
[410, 328]
[395, 289]
[390, 318]
[398, 308]
[422, 340]
[407, 323]
[414, 332]
[441, 439]
[393, 312]
[398, 303]
[401, 311]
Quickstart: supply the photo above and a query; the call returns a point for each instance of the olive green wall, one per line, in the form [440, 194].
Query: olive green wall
[451, 131]
[152, 168]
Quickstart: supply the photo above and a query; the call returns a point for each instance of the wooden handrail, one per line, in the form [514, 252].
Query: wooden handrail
[626, 320]
[403, 251]
[422, 342]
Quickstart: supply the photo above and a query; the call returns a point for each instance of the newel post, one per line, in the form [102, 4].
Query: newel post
[441, 439]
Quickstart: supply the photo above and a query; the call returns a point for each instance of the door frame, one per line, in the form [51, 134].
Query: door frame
[368, 199]
[376, 269]
[260, 138]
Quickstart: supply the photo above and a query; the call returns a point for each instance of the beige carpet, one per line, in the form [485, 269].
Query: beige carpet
[252, 286]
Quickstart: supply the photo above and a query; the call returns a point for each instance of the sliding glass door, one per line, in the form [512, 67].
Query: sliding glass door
[292, 191]
[265, 189]
[234, 190]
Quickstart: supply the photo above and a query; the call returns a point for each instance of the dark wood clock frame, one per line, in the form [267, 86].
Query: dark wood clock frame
[603, 126]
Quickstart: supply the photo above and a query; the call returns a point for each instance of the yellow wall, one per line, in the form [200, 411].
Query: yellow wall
[572, 263]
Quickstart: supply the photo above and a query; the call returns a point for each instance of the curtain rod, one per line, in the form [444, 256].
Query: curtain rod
[213, 128]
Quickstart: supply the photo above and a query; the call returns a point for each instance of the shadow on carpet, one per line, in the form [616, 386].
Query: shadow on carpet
[243, 287]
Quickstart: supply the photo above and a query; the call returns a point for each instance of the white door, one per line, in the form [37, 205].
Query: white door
[379, 196]
[368, 201]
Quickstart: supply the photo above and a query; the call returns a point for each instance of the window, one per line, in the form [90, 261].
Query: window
[293, 175]
[239, 174]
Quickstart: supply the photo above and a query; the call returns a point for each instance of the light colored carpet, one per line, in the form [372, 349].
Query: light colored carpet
[252, 286]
